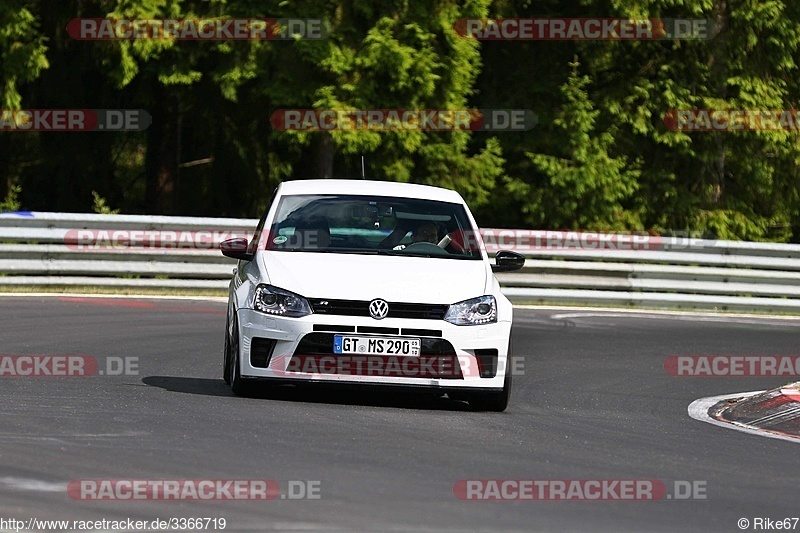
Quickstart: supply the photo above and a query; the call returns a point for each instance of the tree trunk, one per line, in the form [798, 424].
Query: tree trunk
[325, 156]
[161, 162]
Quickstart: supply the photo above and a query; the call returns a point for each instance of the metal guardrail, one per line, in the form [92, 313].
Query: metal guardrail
[131, 251]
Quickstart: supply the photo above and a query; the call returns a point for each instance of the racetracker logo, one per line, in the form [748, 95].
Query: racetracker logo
[212, 29]
[193, 489]
[568, 240]
[577, 490]
[732, 365]
[404, 119]
[584, 29]
[533, 240]
[376, 365]
[424, 366]
[173, 489]
[75, 120]
[66, 366]
[732, 120]
[102, 239]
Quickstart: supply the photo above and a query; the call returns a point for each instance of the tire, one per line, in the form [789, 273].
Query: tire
[238, 384]
[226, 355]
[494, 401]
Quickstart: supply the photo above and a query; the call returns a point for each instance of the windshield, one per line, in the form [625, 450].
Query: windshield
[373, 225]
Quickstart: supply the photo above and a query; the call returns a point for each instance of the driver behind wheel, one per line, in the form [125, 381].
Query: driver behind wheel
[425, 232]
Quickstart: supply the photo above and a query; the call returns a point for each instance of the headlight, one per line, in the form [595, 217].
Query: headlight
[473, 312]
[275, 301]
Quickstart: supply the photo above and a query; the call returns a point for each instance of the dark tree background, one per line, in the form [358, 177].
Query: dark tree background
[599, 158]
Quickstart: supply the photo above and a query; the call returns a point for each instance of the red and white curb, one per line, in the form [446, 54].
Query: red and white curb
[776, 413]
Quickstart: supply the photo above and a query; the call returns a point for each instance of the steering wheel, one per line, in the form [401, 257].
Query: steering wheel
[357, 241]
[425, 248]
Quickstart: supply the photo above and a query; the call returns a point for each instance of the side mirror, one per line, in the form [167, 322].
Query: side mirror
[236, 249]
[506, 261]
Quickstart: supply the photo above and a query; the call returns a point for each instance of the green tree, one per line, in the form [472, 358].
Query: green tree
[22, 50]
[586, 187]
[727, 184]
[22, 60]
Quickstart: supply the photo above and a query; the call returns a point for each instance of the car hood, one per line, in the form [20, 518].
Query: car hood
[365, 277]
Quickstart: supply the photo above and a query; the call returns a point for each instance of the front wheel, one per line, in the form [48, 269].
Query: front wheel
[238, 384]
[226, 354]
[494, 401]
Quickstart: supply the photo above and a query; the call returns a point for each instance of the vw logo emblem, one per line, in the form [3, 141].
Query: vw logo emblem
[378, 309]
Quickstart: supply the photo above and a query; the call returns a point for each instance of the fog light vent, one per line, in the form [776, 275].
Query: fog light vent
[261, 352]
[487, 362]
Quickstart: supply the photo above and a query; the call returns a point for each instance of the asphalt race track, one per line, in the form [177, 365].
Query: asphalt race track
[594, 403]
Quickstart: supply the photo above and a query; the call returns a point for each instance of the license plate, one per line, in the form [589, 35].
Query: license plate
[346, 344]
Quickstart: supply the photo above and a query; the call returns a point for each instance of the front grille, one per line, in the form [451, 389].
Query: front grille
[314, 354]
[414, 332]
[261, 352]
[335, 328]
[423, 311]
[396, 309]
[378, 331]
[340, 307]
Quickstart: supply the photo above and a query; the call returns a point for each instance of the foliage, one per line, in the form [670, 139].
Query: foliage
[601, 156]
[101, 207]
[11, 201]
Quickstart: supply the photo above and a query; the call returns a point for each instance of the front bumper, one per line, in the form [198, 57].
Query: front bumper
[297, 349]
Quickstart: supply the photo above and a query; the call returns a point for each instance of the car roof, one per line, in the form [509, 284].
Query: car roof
[370, 187]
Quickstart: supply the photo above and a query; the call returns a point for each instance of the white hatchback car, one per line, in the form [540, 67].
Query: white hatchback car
[369, 282]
